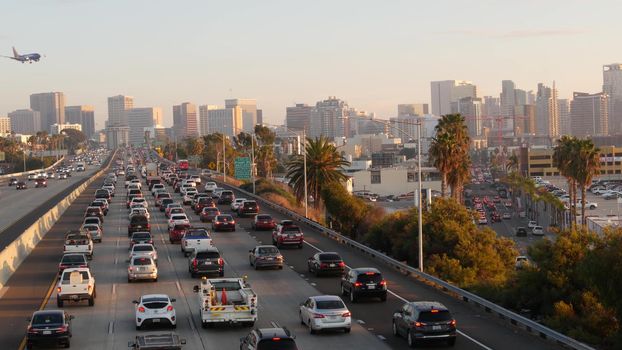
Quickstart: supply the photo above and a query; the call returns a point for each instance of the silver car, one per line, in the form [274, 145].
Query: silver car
[142, 268]
[265, 256]
[144, 249]
[325, 312]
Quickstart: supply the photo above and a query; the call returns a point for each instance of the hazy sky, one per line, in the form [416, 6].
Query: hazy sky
[373, 54]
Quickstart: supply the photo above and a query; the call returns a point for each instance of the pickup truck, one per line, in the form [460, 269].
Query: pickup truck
[226, 300]
[78, 242]
[76, 284]
[195, 239]
[166, 341]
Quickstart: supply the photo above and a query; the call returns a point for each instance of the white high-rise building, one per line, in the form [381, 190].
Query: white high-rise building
[447, 91]
[329, 118]
[563, 109]
[51, 106]
[117, 106]
[471, 109]
[249, 112]
[612, 86]
[25, 121]
[227, 121]
[204, 128]
[547, 113]
[140, 119]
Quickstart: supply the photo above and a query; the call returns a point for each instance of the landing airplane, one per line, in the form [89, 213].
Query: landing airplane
[31, 57]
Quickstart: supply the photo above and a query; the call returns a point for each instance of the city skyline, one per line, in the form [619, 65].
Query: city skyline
[374, 69]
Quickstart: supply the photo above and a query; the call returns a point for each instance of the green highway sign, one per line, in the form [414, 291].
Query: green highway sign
[243, 168]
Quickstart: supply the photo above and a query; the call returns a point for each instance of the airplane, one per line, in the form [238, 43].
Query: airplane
[31, 57]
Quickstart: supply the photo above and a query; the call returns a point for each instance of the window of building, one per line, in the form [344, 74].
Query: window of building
[375, 177]
[411, 176]
[539, 157]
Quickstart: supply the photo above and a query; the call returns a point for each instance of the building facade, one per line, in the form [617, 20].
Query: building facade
[249, 112]
[329, 118]
[447, 91]
[5, 125]
[589, 114]
[612, 86]
[204, 128]
[51, 106]
[563, 108]
[298, 117]
[227, 121]
[471, 109]
[539, 161]
[56, 129]
[117, 106]
[83, 115]
[141, 120]
[547, 114]
[412, 109]
[25, 121]
[185, 120]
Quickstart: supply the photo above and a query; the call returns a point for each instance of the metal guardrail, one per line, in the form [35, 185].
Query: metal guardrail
[503, 313]
[8, 176]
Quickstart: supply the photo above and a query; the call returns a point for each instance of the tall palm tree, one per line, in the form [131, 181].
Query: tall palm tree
[450, 152]
[324, 168]
[440, 153]
[563, 155]
[585, 164]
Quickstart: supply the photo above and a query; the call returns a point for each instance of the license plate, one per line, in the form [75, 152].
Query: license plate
[292, 236]
[270, 259]
[74, 297]
[156, 320]
[436, 328]
[141, 269]
[371, 286]
[47, 332]
[332, 265]
[208, 263]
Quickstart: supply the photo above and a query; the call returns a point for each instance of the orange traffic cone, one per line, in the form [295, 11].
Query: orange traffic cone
[223, 297]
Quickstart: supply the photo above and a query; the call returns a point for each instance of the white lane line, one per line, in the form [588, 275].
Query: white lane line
[168, 257]
[178, 286]
[116, 260]
[118, 239]
[114, 288]
[110, 327]
[381, 337]
[404, 300]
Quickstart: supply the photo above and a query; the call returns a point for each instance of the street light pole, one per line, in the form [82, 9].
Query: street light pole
[253, 160]
[304, 164]
[420, 195]
[224, 160]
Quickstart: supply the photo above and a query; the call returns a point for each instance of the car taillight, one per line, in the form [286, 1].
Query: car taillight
[59, 289]
[131, 269]
[323, 265]
[84, 266]
[62, 329]
[342, 264]
[452, 323]
[89, 287]
[383, 283]
[318, 315]
[32, 330]
[417, 324]
[346, 314]
[141, 309]
[194, 263]
[169, 308]
[358, 284]
[221, 261]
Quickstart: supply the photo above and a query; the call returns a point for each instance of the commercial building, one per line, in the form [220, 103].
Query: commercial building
[141, 120]
[51, 106]
[447, 91]
[227, 121]
[298, 117]
[249, 112]
[185, 120]
[5, 125]
[563, 108]
[117, 106]
[329, 118]
[539, 161]
[25, 121]
[547, 114]
[471, 109]
[56, 129]
[589, 114]
[83, 115]
[204, 128]
[412, 109]
[395, 180]
[612, 86]
[117, 136]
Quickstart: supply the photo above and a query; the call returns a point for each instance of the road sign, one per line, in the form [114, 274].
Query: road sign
[243, 168]
[194, 159]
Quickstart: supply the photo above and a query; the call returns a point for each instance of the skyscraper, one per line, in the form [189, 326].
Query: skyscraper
[227, 121]
[249, 112]
[471, 108]
[526, 124]
[185, 120]
[563, 108]
[447, 91]
[412, 109]
[547, 114]
[117, 106]
[589, 114]
[51, 106]
[204, 128]
[508, 98]
[298, 117]
[5, 125]
[83, 115]
[612, 86]
[140, 120]
[25, 121]
[329, 118]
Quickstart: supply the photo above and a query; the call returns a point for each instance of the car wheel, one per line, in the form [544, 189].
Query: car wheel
[193, 275]
[311, 330]
[383, 297]
[91, 301]
[394, 328]
[300, 246]
[59, 302]
[155, 279]
[410, 340]
[174, 326]
[138, 328]
[129, 280]
[67, 344]
[221, 274]
[302, 321]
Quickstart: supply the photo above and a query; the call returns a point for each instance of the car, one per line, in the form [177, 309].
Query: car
[265, 256]
[177, 232]
[41, 182]
[537, 231]
[49, 327]
[326, 263]
[95, 231]
[71, 260]
[102, 193]
[364, 282]
[141, 238]
[521, 232]
[160, 196]
[21, 185]
[236, 203]
[62, 176]
[196, 179]
[508, 204]
[76, 284]
[248, 207]
[32, 177]
[142, 268]
[495, 217]
[506, 216]
[588, 205]
[521, 261]
[287, 233]
[482, 220]
[209, 213]
[424, 320]
[210, 186]
[205, 262]
[226, 197]
[532, 224]
[164, 202]
[13, 181]
[94, 211]
[92, 220]
[138, 223]
[178, 219]
[610, 195]
[139, 200]
[139, 210]
[156, 187]
[263, 222]
[203, 202]
[102, 203]
[110, 189]
[269, 338]
[154, 309]
[144, 249]
[325, 312]
[169, 207]
[223, 222]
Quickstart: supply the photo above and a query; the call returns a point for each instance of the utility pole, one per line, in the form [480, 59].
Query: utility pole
[224, 160]
[304, 162]
[253, 160]
[420, 195]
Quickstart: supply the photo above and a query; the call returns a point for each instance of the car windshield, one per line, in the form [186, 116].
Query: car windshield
[434, 316]
[228, 286]
[329, 304]
[291, 229]
[139, 220]
[267, 250]
[179, 217]
[75, 277]
[370, 278]
[143, 248]
[141, 261]
[197, 233]
[263, 217]
[208, 255]
[75, 258]
[225, 218]
[324, 257]
[277, 344]
[180, 227]
[141, 236]
[47, 319]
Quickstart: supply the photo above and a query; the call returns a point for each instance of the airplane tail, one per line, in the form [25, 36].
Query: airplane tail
[15, 54]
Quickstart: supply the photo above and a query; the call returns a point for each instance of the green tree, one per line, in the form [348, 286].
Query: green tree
[585, 164]
[563, 153]
[349, 212]
[74, 139]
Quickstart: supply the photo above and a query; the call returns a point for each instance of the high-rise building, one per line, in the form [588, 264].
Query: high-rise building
[259, 117]
[83, 115]
[547, 115]
[25, 121]
[589, 114]
[51, 106]
[412, 109]
[55, 129]
[298, 117]
[204, 128]
[227, 121]
[520, 97]
[447, 91]
[563, 108]
[508, 98]
[405, 127]
[329, 118]
[185, 120]
[471, 109]
[249, 112]
[612, 86]
[117, 136]
[5, 125]
[117, 106]
[525, 119]
[141, 120]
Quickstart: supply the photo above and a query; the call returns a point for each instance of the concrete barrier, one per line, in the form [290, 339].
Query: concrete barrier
[15, 253]
[6, 177]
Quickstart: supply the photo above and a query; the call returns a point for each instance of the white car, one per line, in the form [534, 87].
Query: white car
[144, 250]
[139, 211]
[325, 312]
[532, 224]
[137, 183]
[178, 219]
[155, 309]
[157, 187]
[210, 186]
[189, 195]
[110, 189]
[76, 284]
[235, 205]
[588, 205]
[537, 231]
[196, 179]
[139, 200]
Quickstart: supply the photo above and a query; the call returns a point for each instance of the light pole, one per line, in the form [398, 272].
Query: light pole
[253, 160]
[224, 160]
[304, 164]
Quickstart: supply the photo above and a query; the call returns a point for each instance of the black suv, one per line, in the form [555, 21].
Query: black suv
[421, 320]
[268, 339]
[102, 193]
[248, 207]
[364, 282]
[226, 197]
[206, 262]
[138, 223]
[521, 231]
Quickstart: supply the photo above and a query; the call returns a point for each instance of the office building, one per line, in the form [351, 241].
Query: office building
[612, 86]
[141, 120]
[56, 129]
[507, 98]
[547, 115]
[259, 117]
[298, 117]
[524, 120]
[249, 112]
[117, 136]
[51, 106]
[83, 115]
[117, 106]
[589, 114]
[25, 121]
[447, 91]
[5, 125]
[227, 121]
[185, 120]
[412, 109]
[329, 118]
[563, 108]
[204, 119]
[471, 108]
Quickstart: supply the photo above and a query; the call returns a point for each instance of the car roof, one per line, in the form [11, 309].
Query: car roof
[265, 333]
[266, 246]
[428, 305]
[325, 298]
[146, 296]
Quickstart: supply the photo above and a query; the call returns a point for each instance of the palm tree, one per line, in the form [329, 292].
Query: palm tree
[563, 155]
[585, 164]
[512, 163]
[450, 153]
[440, 153]
[324, 168]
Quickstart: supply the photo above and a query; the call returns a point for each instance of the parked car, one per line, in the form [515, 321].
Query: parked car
[537, 231]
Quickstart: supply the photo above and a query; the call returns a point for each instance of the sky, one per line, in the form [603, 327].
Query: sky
[372, 54]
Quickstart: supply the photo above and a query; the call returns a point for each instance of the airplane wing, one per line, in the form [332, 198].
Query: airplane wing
[13, 58]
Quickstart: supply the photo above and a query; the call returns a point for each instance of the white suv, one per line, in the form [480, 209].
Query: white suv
[155, 309]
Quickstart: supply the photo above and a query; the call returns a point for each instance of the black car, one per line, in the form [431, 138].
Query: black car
[141, 238]
[21, 185]
[71, 260]
[165, 202]
[521, 231]
[226, 197]
[206, 262]
[364, 282]
[248, 207]
[326, 263]
[49, 327]
[138, 223]
[424, 320]
[102, 193]
[102, 205]
[12, 182]
[268, 339]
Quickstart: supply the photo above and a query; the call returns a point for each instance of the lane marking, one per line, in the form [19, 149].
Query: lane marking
[178, 285]
[116, 260]
[110, 327]
[114, 288]
[381, 337]
[404, 300]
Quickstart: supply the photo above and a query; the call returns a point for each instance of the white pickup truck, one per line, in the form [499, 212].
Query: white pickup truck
[226, 300]
[78, 242]
[76, 284]
[195, 239]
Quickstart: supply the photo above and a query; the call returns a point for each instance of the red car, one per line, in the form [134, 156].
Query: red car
[263, 222]
[178, 231]
[496, 217]
[287, 233]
